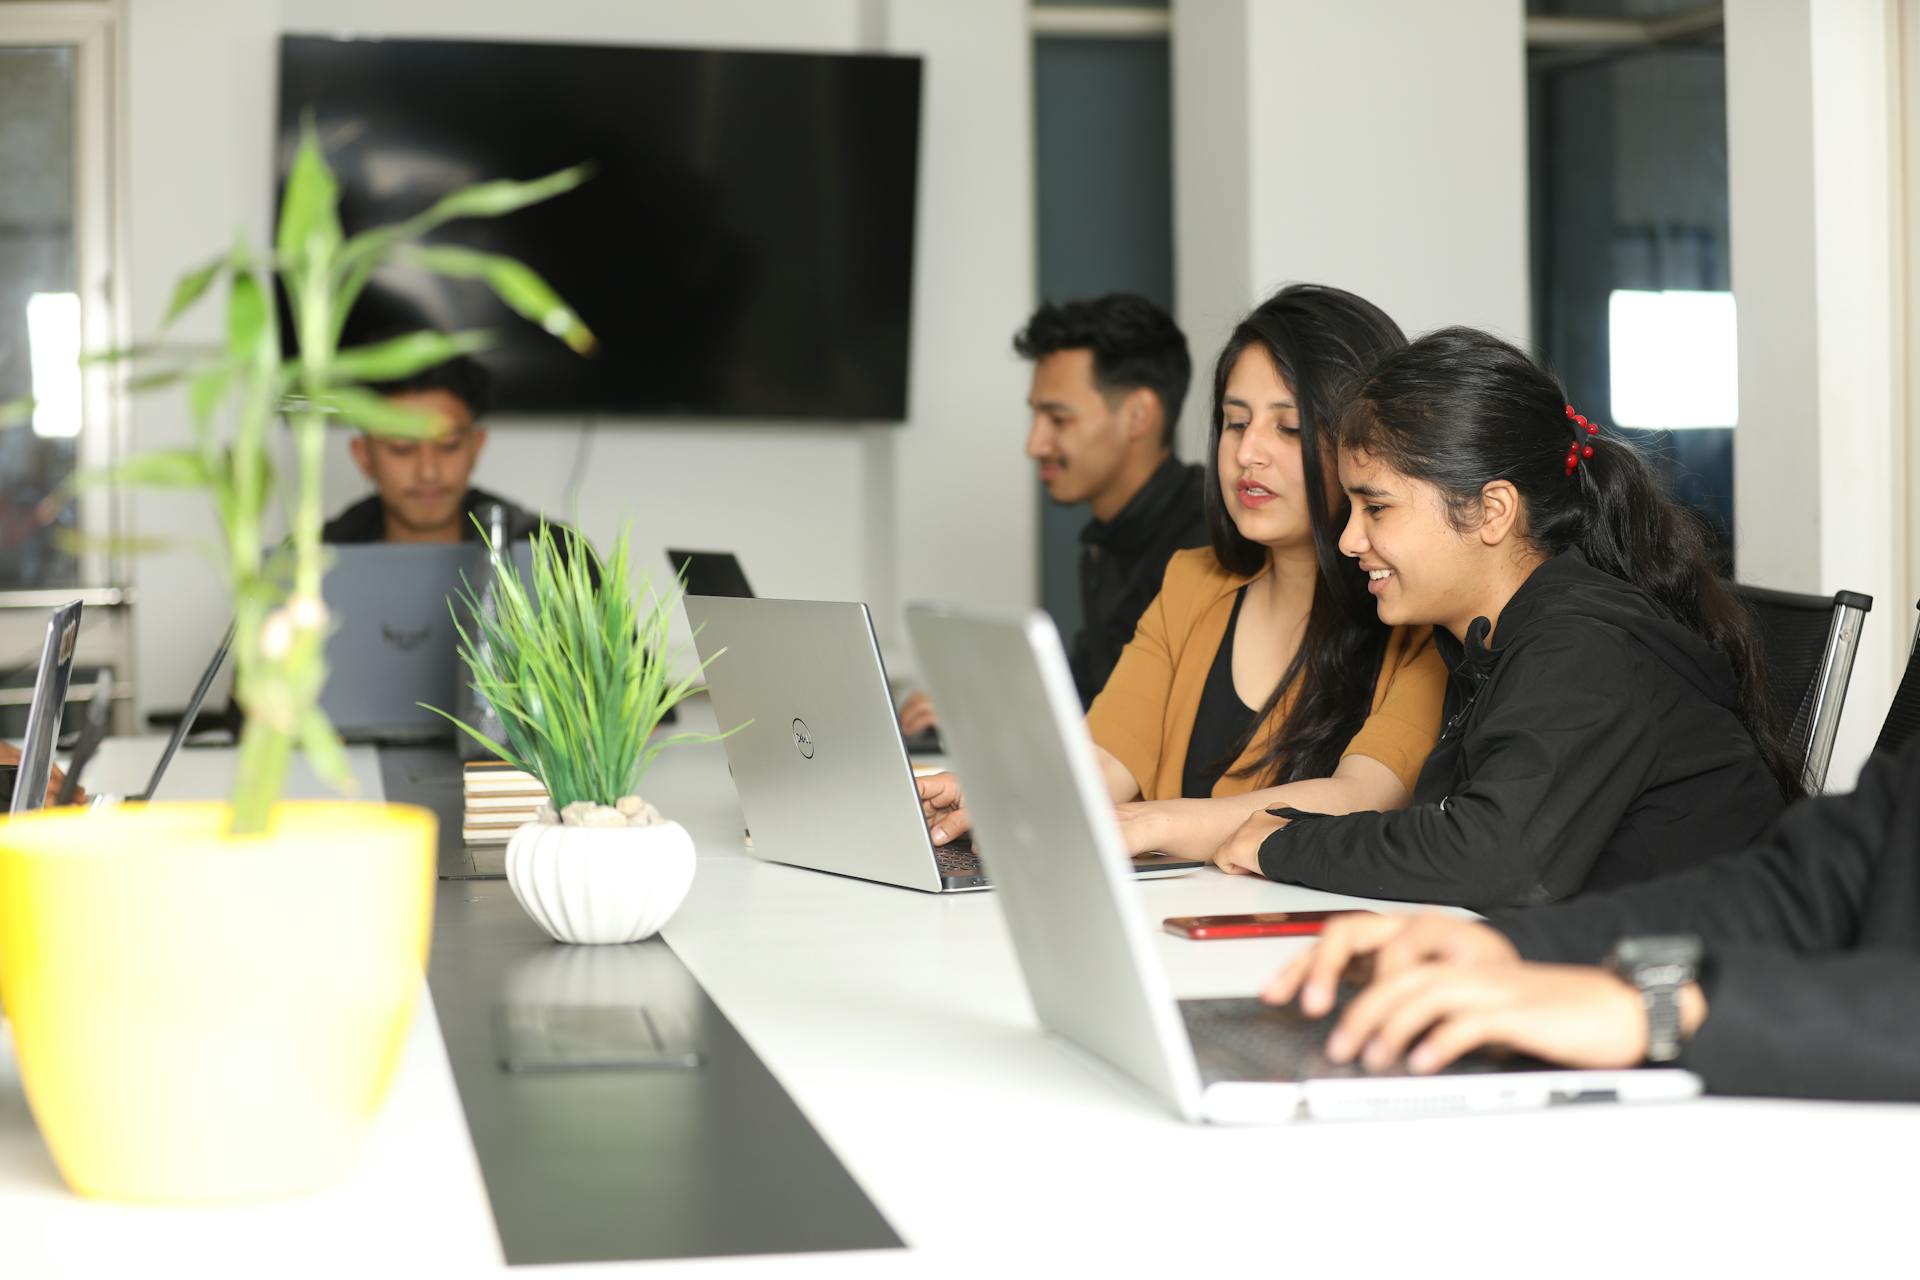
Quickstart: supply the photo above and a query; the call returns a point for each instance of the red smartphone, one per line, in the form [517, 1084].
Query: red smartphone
[1262, 924]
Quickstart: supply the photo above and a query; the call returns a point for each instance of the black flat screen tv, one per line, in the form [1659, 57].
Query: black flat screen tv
[745, 248]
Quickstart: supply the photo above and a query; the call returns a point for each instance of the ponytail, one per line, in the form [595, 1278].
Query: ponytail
[1459, 409]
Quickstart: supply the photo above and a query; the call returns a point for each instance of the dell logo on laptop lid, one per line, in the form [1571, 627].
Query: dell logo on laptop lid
[803, 738]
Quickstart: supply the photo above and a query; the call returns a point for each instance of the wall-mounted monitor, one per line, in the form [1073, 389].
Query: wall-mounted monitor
[745, 248]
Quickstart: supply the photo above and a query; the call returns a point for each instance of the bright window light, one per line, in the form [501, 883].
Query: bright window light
[1675, 359]
[53, 351]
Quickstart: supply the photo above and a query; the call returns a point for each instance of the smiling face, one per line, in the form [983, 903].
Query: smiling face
[1263, 477]
[1420, 568]
[423, 483]
[1079, 438]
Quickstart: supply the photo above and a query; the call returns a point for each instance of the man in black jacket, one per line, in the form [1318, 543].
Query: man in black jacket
[1809, 972]
[421, 487]
[1109, 376]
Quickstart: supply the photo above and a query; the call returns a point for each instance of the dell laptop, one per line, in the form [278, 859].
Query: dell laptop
[718, 573]
[1037, 798]
[820, 766]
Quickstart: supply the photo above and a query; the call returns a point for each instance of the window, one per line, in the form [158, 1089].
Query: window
[1632, 304]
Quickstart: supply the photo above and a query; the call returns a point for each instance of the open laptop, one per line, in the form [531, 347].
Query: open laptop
[1037, 798]
[44, 711]
[393, 645]
[710, 573]
[718, 573]
[821, 770]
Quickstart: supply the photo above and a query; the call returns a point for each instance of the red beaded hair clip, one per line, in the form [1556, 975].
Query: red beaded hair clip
[1582, 447]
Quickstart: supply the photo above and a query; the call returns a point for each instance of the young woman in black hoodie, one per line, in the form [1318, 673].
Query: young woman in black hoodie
[1607, 717]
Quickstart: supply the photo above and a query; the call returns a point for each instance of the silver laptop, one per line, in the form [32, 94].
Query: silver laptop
[821, 770]
[44, 711]
[1037, 798]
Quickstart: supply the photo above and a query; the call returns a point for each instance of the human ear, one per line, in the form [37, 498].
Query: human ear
[362, 458]
[1142, 413]
[1500, 511]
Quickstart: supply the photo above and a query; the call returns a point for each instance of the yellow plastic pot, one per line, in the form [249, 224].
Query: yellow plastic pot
[199, 1017]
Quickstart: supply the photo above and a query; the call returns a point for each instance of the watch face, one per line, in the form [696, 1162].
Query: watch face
[1662, 960]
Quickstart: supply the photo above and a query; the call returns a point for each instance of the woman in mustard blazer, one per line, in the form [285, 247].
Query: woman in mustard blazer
[1261, 675]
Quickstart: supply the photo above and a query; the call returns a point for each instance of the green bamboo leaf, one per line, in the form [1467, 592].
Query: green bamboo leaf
[514, 283]
[73, 542]
[309, 216]
[376, 414]
[405, 356]
[155, 469]
[13, 412]
[190, 288]
[324, 750]
[491, 199]
[157, 379]
[246, 315]
[208, 389]
[145, 350]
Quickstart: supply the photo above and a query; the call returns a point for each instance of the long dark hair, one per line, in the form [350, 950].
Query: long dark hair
[1323, 341]
[1459, 409]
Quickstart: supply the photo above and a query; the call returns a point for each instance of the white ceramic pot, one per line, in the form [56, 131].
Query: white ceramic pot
[600, 884]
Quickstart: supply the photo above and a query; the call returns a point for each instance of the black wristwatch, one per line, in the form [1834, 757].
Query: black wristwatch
[1657, 966]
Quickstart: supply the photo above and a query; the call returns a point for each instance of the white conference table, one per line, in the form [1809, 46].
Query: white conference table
[899, 1024]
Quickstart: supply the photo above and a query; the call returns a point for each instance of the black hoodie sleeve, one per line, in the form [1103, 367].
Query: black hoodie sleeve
[1801, 888]
[1834, 875]
[1558, 752]
[1788, 1026]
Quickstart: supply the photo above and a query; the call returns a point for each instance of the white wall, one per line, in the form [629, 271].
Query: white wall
[1377, 145]
[1822, 498]
[937, 507]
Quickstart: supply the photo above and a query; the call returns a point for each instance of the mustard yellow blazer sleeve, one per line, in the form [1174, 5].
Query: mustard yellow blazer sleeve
[1129, 715]
[1405, 721]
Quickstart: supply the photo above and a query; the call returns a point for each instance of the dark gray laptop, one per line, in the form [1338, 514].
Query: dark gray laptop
[393, 644]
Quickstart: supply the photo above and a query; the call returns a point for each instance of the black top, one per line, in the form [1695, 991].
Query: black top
[1594, 744]
[1122, 563]
[364, 521]
[1812, 934]
[1222, 720]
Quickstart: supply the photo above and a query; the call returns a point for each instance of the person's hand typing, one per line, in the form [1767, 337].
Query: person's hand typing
[1380, 947]
[1431, 1015]
[943, 807]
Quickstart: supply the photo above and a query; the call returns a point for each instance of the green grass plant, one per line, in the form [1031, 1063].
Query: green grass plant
[579, 673]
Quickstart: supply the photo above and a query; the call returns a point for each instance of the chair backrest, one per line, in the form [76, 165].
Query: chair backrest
[1810, 642]
[1903, 717]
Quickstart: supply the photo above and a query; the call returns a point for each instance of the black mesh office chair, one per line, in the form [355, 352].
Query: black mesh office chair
[1903, 717]
[1810, 642]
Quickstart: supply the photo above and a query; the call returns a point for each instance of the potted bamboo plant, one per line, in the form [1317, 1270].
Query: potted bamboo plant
[580, 675]
[209, 1000]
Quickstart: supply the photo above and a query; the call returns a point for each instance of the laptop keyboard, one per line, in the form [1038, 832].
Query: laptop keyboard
[1240, 1039]
[957, 858]
[1244, 1039]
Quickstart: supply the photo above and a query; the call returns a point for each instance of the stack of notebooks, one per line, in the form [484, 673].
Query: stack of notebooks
[499, 799]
